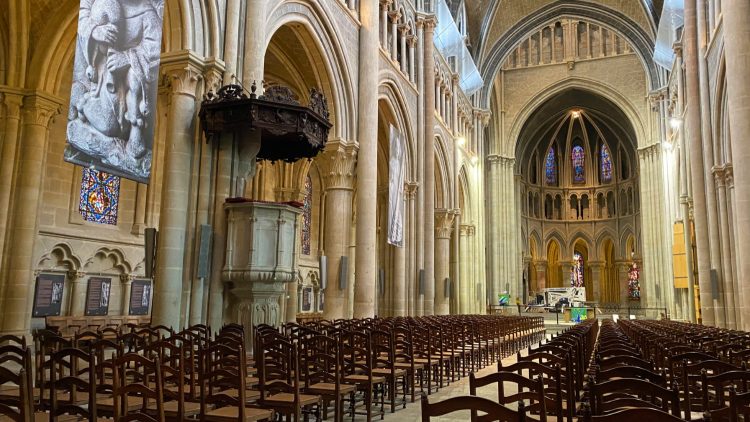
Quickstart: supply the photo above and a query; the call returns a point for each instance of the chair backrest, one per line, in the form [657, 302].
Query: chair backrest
[72, 385]
[526, 389]
[493, 411]
[134, 376]
[740, 406]
[18, 409]
[616, 394]
[642, 414]
[632, 372]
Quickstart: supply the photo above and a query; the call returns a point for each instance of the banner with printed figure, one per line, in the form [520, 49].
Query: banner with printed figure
[396, 177]
[115, 76]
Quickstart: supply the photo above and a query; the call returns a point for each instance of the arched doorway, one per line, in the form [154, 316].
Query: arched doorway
[554, 275]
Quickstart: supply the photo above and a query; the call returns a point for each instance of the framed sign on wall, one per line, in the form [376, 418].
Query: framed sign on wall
[48, 295]
[97, 296]
[140, 297]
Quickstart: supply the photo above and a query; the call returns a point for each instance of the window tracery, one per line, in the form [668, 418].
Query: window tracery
[578, 157]
[606, 164]
[550, 167]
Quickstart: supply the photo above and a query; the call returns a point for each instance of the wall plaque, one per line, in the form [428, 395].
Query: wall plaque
[97, 296]
[48, 295]
[140, 297]
[307, 298]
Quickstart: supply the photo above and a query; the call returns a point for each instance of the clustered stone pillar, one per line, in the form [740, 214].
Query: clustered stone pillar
[37, 113]
[693, 136]
[184, 76]
[337, 164]
[12, 102]
[737, 44]
[429, 167]
[367, 181]
[443, 229]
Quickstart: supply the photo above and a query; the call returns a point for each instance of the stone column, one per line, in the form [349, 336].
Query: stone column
[367, 177]
[412, 40]
[541, 275]
[726, 247]
[394, 15]
[8, 159]
[77, 293]
[443, 230]
[404, 61]
[337, 166]
[464, 291]
[231, 40]
[255, 44]
[693, 137]
[384, 23]
[37, 113]
[596, 276]
[411, 243]
[622, 279]
[223, 153]
[184, 74]
[139, 219]
[429, 167]
[127, 284]
[737, 44]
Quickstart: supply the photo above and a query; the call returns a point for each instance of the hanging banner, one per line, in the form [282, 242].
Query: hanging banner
[396, 176]
[113, 98]
[140, 297]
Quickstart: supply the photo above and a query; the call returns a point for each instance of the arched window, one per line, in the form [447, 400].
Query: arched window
[605, 164]
[100, 195]
[578, 168]
[307, 216]
[550, 167]
[576, 272]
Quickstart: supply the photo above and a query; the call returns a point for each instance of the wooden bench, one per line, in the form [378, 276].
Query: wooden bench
[68, 326]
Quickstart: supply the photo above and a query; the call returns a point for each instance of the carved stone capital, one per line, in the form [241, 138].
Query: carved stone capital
[40, 109]
[338, 163]
[13, 103]
[183, 71]
[411, 40]
[394, 14]
[127, 278]
[75, 275]
[410, 189]
[467, 229]
[444, 223]
[429, 22]
[214, 75]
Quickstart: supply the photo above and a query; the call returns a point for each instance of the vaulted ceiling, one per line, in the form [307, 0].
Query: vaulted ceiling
[489, 20]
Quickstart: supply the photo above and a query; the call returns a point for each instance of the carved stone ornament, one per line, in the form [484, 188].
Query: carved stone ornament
[289, 130]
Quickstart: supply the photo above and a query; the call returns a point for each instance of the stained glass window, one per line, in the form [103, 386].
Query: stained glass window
[100, 196]
[307, 216]
[576, 271]
[606, 164]
[550, 167]
[578, 159]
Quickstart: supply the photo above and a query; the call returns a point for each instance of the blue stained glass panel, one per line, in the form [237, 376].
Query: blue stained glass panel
[100, 196]
[606, 164]
[578, 168]
[550, 167]
[307, 216]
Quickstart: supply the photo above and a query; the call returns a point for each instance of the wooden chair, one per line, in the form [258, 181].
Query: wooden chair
[526, 389]
[172, 358]
[493, 411]
[135, 395]
[323, 363]
[72, 385]
[223, 386]
[15, 359]
[17, 408]
[642, 414]
[357, 364]
[280, 387]
[632, 372]
[740, 406]
[553, 392]
[609, 396]
[384, 365]
[717, 390]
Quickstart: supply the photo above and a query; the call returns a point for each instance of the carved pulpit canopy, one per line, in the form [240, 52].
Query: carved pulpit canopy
[289, 130]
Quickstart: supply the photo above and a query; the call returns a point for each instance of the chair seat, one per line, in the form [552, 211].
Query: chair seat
[328, 388]
[407, 366]
[388, 372]
[170, 408]
[231, 413]
[362, 379]
[286, 399]
[250, 395]
[44, 417]
[108, 404]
